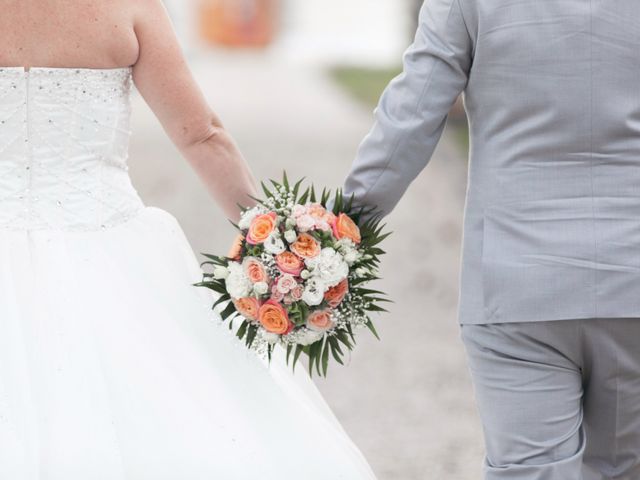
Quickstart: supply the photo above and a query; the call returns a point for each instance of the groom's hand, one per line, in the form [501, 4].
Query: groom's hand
[236, 248]
[410, 116]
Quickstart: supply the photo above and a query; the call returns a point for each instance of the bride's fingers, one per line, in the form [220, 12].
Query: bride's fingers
[236, 248]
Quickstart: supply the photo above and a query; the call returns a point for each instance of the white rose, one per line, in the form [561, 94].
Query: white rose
[274, 244]
[329, 266]
[261, 288]
[298, 210]
[312, 263]
[305, 223]
[220, 272]
[313, 293]
[234, 267]
[304, 274]
[238, 284]
[290, 236]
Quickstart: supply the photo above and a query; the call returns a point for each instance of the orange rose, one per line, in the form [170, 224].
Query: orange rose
[274, 318]
[255, 270]
[247, 307]
[289, 263]
[344, 227]
[320, 321]
[336, 294]
[306, 246]
[261, 227]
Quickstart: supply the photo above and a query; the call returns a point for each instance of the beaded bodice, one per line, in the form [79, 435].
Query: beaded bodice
[64, 137]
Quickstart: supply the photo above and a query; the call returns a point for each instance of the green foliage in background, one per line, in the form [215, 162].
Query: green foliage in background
[365, 84]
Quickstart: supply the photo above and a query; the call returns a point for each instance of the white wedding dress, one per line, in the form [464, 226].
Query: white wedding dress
[112, 365]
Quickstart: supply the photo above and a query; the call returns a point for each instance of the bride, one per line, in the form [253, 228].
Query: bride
[112, 365]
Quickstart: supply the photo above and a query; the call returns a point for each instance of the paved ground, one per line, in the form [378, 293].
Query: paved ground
[406, 401]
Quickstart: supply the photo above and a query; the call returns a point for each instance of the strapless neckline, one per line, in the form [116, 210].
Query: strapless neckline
[99, 69]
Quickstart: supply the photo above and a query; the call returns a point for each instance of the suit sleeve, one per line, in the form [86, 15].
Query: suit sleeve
[413, 109]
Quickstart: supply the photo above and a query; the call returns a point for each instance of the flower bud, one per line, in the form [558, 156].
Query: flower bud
[261, 288]
[220, 272]
[361, 272]
[290, 236]
[291, 222]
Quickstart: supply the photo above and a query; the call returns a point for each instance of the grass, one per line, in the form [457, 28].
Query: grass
[367, 84]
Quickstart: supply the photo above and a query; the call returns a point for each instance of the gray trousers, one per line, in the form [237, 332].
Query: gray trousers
[558, 400]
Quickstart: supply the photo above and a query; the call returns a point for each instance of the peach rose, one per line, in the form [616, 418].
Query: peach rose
[320, 321]
[344, 227]
[261, 227]
[317, 211]
[247, 307]
[274, 318]
[255, 270]
[322, 218]
[336, 294]
[289, 263]
[306, 246]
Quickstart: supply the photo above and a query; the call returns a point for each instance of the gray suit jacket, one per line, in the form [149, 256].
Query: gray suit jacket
[551, 89]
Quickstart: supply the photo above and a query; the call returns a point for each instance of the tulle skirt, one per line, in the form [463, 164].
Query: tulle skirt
[113, 366]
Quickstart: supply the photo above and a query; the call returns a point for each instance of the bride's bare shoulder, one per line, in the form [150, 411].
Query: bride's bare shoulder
[97, 33]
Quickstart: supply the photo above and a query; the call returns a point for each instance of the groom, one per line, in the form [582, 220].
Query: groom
[551, 224]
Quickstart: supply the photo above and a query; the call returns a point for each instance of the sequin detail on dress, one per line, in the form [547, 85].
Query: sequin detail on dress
[64, 137]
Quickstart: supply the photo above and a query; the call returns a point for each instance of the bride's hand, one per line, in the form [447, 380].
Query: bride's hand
[236, 248]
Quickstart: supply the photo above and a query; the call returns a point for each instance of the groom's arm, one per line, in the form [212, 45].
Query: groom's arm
[413, 109]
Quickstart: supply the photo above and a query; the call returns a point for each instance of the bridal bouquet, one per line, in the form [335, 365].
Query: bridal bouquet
[300, 278]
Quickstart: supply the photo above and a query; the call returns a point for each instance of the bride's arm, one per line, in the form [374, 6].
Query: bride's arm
[165, 82]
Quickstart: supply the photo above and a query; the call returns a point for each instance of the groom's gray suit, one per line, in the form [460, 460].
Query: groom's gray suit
[552, 92]
[551, 89]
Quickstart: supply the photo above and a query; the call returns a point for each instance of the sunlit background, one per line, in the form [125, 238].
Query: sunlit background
[295, 82]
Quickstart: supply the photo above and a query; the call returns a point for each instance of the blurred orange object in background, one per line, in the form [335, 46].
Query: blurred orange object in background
[238, 22]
